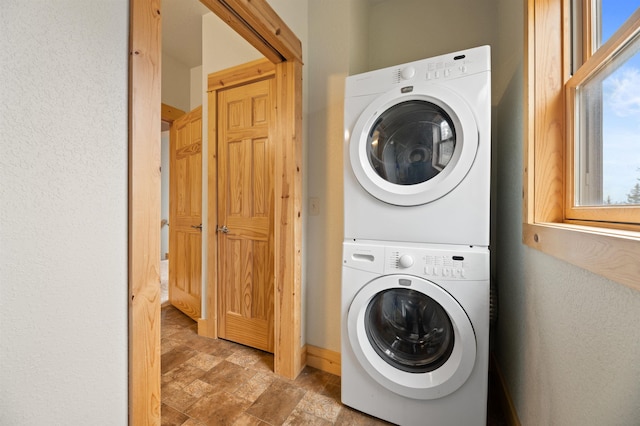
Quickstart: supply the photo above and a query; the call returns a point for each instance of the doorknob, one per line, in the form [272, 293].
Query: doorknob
[223, 229]
[199, 227]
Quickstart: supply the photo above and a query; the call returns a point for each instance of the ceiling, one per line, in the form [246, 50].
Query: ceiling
[182, 30]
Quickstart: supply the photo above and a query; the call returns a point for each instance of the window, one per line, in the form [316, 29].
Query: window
[582, 156]
[603, 113]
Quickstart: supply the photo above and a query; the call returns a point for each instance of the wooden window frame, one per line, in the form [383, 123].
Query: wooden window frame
[609, 250]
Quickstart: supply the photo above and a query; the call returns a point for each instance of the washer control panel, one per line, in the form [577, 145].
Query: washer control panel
[446, 266]
[429, 261]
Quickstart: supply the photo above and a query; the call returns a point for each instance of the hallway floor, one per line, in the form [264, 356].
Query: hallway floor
[217, 382]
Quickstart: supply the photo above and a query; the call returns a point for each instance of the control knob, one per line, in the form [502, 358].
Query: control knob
[407, 72]
[405, 261]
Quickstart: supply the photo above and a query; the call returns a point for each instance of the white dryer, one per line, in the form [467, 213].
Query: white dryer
[415, 332]
[418, 151]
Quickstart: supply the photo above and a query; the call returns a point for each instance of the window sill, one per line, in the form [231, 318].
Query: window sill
[611, 253]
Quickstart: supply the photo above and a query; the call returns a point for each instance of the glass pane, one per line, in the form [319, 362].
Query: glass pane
[411, 142]
[613, 13]
[409, 330]
[608, 125]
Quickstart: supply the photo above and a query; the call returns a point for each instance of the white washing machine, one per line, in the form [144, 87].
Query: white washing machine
[415, 332]
[418, 151]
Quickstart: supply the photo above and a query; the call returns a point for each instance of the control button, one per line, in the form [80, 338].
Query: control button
[462, 274]
[407, 73]
[429, 75]
[427, 270]
[436, 270]
[405, 261]
[446, 271]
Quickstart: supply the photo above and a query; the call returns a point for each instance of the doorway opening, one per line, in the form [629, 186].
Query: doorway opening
[264, 29]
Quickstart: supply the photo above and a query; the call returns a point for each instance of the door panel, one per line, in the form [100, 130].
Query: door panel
[185, 213]
[245, 203]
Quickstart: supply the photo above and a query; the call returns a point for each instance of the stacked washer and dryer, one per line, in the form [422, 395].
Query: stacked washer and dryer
[415, 277]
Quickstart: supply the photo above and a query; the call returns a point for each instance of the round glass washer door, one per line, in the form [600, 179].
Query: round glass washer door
[411, 336]
[411, 149]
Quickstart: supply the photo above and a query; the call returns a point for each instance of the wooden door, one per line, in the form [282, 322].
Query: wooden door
[245, 214]
[185, 213]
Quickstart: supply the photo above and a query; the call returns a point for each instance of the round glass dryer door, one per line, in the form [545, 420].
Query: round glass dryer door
[411, 336]
[410, 149]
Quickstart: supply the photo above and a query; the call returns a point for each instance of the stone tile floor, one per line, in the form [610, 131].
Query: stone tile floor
[217, 382]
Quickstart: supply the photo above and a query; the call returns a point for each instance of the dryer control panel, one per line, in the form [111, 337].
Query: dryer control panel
[443, 67]
[430, 261]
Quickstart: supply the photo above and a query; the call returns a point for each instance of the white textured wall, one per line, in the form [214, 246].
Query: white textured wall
[568, 341]
[359, 12]
[408, 30]
[63, 212]
[176, 84]
[331, 48]
[196, 92]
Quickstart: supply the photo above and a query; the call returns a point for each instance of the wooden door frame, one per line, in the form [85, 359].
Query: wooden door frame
[257, 23]
[170, 114]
